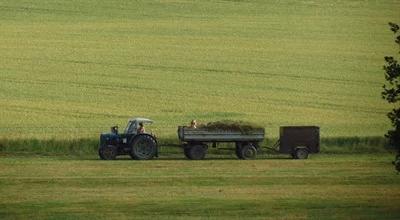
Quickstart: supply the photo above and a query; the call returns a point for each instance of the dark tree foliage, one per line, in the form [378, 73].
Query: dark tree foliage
[391, 92]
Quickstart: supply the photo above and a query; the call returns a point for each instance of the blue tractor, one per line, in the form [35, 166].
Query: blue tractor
[134, 141]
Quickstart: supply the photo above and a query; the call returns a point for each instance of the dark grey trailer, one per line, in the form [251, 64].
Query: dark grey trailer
[299, 141]
[195, 141]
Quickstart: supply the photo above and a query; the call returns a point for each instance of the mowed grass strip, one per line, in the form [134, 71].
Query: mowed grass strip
[352, 186]
[72, 69]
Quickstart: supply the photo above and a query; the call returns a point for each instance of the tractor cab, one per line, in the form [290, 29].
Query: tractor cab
[133, 125]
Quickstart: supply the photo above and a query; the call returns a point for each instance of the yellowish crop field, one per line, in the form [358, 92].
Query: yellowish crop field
[71, 69]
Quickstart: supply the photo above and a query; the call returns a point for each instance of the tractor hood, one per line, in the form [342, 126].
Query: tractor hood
[107, 138]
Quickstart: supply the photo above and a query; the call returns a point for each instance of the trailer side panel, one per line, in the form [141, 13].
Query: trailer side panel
[292, 137]
[203, 135]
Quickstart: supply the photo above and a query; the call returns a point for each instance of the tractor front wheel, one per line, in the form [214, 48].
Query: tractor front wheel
[108, 152]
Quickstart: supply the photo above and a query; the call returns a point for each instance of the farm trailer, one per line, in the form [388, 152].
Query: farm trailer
[297, 141]
[195, 141]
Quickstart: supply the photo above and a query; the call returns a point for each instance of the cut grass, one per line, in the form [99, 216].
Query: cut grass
[325, 186]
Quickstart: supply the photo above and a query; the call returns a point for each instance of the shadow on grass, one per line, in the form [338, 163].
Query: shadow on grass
[169, 148]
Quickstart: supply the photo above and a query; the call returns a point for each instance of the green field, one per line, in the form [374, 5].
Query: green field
[71, 69]
[324, 187]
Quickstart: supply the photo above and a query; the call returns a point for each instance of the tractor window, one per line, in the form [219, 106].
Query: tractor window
[130, 128]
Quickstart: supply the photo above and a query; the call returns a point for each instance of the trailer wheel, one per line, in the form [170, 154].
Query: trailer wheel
[186, 152]
[196, 152]
[301, 153]
[108, 152]
[248, 152]
[144, 147]
[238, 150]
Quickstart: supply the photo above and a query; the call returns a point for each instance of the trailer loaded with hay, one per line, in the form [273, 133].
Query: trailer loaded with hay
[195, 141]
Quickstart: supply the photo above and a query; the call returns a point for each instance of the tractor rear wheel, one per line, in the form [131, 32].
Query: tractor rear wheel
[108, 152]
[196, 152]
[248, 152]
[144, 147]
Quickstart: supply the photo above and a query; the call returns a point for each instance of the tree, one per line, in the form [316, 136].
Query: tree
[391, 93]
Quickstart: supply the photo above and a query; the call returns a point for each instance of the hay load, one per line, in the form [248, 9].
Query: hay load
[228, 125]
